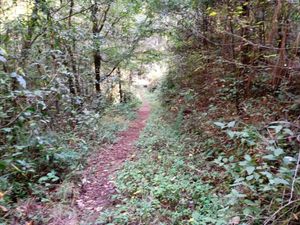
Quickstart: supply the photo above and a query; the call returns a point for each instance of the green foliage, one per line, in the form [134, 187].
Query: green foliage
[160, 187]
[218, 73]
[234, 61]
[50, 116]
[262, 168]
[35, 159]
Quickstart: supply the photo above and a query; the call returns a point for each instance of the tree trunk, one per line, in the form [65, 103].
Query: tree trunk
[96, 54]
[30, 31]
[274, 22]
[71, 85]
[246, 48]
[281, 68]
[120, 85]
[70, 51]
[97, 64]
[70, 79]
[97, 28]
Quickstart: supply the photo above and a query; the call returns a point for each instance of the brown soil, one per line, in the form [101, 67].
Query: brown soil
[97, 181]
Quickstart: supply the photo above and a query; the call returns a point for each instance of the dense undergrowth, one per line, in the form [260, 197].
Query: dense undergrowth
[200, 162]
[222, 144]
[251, 156]
[163, 186]
[42, 166]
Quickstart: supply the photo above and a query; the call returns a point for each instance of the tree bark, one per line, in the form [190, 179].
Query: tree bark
[120, 85]
[29, 35]
[70, 50]
[96, 29]
[97, 64]
[274, 22]
[281, 68]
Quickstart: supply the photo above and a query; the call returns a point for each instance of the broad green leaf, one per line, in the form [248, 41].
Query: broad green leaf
[288, 131]
[248, 158]
[243, 163]
[19, 78]
[7, 129]
[231, 124]
[2, 59]
[235, 193]
[249, 177]
[250, 169]
[230, 133]
[213, 13]
[269, 157]
[249, 202]
[279, 181]
[219, 124]
[3, 52]
[278, 152]
[2, 165]
[277, 128]
[267, 174]
[288, 160]
[20, 147]
[240, 179]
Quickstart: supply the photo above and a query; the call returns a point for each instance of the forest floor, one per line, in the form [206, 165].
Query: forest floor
[97, 181]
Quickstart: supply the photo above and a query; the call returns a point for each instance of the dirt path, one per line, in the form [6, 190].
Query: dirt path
[97, 187]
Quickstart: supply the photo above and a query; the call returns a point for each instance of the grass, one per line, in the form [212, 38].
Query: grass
[161, 186]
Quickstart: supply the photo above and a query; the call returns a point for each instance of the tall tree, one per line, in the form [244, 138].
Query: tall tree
[99, 16]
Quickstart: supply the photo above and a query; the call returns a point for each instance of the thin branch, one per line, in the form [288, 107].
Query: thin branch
[37, 36]
[278, 210]
[295, 176]
[113, 24]
[15, 118]
[75, 13]
[114, 68]
[254, 44]
[244, 40]
[104, 18]
[259, 66]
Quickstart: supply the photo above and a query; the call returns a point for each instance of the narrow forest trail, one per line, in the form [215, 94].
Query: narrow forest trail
[97, 185]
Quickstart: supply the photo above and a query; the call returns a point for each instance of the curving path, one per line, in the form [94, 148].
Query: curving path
[97, 189]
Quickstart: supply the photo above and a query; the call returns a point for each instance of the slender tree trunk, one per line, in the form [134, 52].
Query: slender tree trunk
[245, 74]
[98, 25]
[74, 69]
[52, 43]
[96, 54]
[70, 79]
[97, 64]
[27, 40]
[120, 85]
[205, 25]
[274, 24]
[233, 56]
[71, 51]
[263, 26]
[280, 69]
[29, 35]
